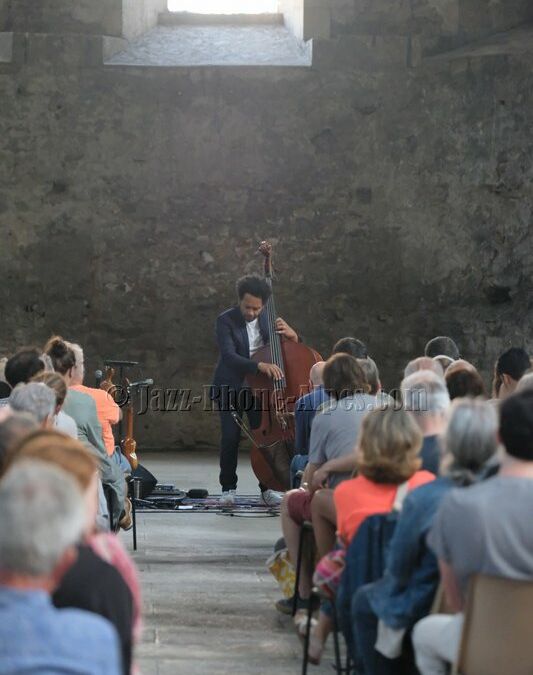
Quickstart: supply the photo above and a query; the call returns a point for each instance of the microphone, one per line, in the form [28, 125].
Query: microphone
[99, 376]
[142, 383]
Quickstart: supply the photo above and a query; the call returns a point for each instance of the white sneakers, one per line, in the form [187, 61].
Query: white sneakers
[271, 497]
[228, 497]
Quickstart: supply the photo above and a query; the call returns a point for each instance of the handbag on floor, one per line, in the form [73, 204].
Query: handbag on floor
[282, 570]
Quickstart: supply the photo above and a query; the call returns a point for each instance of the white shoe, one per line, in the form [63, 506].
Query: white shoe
[228, 497]
[271, 497]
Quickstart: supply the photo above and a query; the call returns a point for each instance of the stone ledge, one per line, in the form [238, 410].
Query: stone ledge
[191, 19]
[68, 51]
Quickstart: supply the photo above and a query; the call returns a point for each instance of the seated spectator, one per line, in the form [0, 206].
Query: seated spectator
[82, 409]
[423, 363]
[406, 592]
[12, 430]
[43, 516]
[508, 370]
[322, 508]
[351, 346]
[426, 397]
[387, 456]
[526, 381]
[23, 365]
[34, 398]
[371, 374]
[304, 414]
[333, 436]
[442, 346]
[56, 382]
[5, 389]
[463, 380]
[103, 578]
[485, 529]
[107, 410]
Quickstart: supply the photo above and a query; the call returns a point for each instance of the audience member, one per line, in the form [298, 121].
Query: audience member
[107, 410]
[56, 382]
[462, 380]
[442, 346]
[5, 389]
[387, 456]
[12, 431]
[406, 592]
[82, 409]
[423, 363]
[426, 397]
[92, 582]
[351, 346]
[304, 414]
[43, 516]
[333, 436]
[371, 374]
[34, 398]
[508, 370]
[482, 530]
[23, 365]
[526, 381]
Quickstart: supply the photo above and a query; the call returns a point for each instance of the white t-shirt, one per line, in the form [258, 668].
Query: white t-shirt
[254, 336]
[66, 424]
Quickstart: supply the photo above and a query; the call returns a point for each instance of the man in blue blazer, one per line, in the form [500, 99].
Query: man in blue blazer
[240, 332]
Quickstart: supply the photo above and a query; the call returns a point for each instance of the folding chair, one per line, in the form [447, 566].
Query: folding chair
[305, 531]
[496, 637]
[314, 601]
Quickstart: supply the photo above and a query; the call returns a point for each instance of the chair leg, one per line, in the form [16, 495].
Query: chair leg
[305, 659]
[298, 570]
[338, 661]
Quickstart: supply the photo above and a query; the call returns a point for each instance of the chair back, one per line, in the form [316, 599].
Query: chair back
[496, 637]
[365, 563]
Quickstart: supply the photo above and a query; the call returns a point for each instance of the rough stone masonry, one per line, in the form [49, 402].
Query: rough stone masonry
[393, 176]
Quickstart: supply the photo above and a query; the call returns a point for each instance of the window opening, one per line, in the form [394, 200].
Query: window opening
[224, 6]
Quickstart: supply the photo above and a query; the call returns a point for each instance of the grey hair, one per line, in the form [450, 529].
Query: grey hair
[78, 358]
[371, 372]
[13, 428]
[423, 363]
[3, 362]
[43, 515]
[35, 398]
[470, 440]
[525, 383]
[425, 393]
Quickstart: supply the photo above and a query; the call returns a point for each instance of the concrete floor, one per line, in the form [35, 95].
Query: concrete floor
[208, 597]
[215, 46]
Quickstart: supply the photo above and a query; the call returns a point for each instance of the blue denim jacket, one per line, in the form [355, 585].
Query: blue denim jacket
[405, 593]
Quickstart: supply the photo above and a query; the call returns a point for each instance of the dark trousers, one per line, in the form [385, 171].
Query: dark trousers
[365, 629]
[242, 403]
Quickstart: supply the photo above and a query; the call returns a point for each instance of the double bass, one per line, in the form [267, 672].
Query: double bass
[273, 439]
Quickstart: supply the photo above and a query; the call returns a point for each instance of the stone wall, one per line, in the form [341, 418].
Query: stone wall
[120, 18]
[399, 201]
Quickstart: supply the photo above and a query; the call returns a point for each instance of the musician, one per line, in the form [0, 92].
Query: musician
[240, 332]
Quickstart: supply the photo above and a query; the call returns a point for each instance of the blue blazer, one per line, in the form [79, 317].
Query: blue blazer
[234, 361]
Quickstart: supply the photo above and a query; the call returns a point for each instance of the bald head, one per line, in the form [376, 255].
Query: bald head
[423, 363]
[315, 374]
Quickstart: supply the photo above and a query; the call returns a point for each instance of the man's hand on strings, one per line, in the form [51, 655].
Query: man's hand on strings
[270, 370]
[283, 328]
